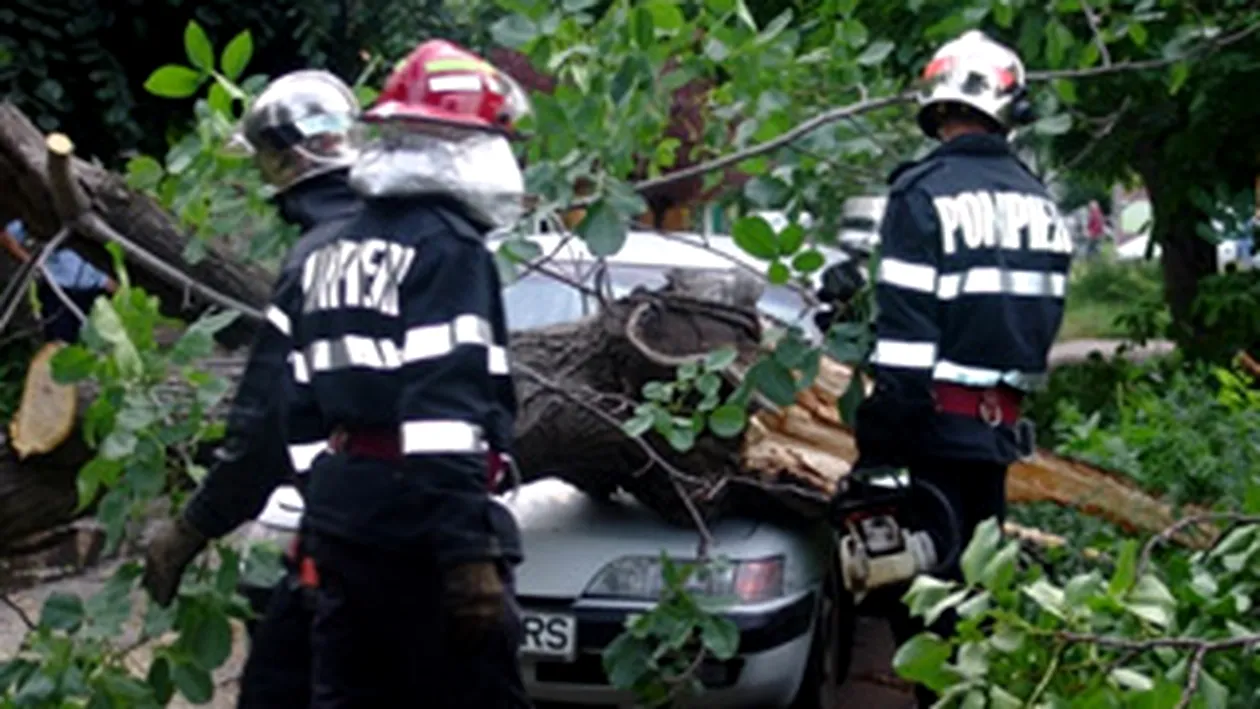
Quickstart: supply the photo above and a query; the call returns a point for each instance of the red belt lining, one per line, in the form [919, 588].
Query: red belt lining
[382, 444]
[994, 406]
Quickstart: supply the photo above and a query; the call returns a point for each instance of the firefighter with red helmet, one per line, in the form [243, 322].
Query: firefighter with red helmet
[402, 337]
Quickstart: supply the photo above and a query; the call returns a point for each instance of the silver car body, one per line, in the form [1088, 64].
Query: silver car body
[570, 538]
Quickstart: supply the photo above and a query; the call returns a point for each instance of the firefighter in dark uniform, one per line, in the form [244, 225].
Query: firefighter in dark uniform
[400, 327]
[970, 291]
[300, 133]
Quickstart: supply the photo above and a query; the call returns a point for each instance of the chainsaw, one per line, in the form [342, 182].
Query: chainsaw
[875, 516]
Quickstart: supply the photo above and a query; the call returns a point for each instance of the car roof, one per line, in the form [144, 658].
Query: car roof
[655, 249]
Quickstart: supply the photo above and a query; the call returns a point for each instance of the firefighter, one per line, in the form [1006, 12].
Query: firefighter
[300, 131]
[972, 276]
[400, 330]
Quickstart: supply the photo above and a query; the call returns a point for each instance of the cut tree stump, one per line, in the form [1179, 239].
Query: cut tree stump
[46, 416]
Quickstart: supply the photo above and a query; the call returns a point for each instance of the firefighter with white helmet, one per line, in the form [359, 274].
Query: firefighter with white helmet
[401, 334]
[974, 257]
[301, 134]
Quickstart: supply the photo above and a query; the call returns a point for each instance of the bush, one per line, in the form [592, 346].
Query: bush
[1110, 298]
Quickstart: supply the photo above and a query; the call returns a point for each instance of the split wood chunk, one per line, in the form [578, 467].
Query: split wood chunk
[46, 416]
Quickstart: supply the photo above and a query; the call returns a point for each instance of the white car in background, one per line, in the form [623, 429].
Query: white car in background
[590, 564]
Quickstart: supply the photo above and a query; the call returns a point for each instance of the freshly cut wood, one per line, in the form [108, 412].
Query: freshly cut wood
[46, 416]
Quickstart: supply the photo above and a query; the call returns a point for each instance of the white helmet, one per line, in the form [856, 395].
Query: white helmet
[300, 126]
[980, 74]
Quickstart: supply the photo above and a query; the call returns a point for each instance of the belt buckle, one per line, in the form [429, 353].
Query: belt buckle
[337, 440]
[990, 409]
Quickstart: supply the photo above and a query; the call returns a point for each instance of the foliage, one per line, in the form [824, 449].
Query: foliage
[658, 654]
[207, 186]
[1176, 636]
[1132, 293]
[81, 650]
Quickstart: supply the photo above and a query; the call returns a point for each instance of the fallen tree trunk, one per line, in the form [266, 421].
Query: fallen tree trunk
[32, 190]
[790, 458]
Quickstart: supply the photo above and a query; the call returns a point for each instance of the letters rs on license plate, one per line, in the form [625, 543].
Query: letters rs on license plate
[549, 635]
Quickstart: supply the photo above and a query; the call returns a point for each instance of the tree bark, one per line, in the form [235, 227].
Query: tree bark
[28, 193]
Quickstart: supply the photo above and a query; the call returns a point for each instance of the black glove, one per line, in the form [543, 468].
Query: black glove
[174, 545]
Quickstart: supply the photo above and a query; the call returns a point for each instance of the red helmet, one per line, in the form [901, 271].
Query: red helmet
[443, 83]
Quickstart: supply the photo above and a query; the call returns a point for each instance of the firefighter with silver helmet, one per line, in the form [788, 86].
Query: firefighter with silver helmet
[403, 340]
[301, 134]
[970, 288]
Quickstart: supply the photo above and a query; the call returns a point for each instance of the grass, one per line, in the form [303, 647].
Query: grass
[1102, 289]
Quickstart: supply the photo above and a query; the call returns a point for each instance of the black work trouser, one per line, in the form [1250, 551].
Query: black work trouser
[277, 672]
[379, 637]
[976, 491]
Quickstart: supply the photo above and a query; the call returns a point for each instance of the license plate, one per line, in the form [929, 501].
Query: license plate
[549, 635]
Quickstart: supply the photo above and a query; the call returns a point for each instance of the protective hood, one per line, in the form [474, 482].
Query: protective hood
[477, 170]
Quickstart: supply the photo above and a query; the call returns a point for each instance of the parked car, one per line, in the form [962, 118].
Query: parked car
[593, 563]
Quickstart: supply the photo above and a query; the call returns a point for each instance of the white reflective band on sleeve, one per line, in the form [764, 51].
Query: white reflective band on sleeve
[301, 373]
[353, 351]
[433, 341]
[982, 377]
[904, 274]
[303, 455]
[998, 281]
[498, 360]
[911, 355]
[276, 317]
[442, 437]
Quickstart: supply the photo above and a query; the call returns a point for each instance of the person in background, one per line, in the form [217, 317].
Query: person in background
[81, 282]
[1095, 228]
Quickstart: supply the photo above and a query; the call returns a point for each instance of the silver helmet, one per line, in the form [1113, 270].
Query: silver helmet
[300, 126]
[979, 73]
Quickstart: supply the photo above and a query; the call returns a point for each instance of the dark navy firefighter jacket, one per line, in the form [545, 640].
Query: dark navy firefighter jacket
[972, 276]
[398, 329]
[258, 454]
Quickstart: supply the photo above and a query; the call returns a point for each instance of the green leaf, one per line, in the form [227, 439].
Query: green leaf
[1058, 124]
[514, 31]
[808, 261]
[791, 239]
[720, 359]
[727, 421]
[1131, 679]
[198, 48]
[720, 636]
[1126, 568]
[638, 424]
[875, 52]
[681, 438]
[173, 81]
[208, 639]
[578, 5]
[1177, 75]
[1046, 595]
[981, 550]
[159, 679]
[603, 229]
[973, 661]
[62, 611]
[779, 273]
[767, 191]
[754, 236]
[144, 173]
[1151, 600]
[775, 381]
[1138, 33]
[920, 659]
[642, 27]
[72, 364]
[626, 661]
[193, 682]
[236, 55]
[666, 15]
[999, 572]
